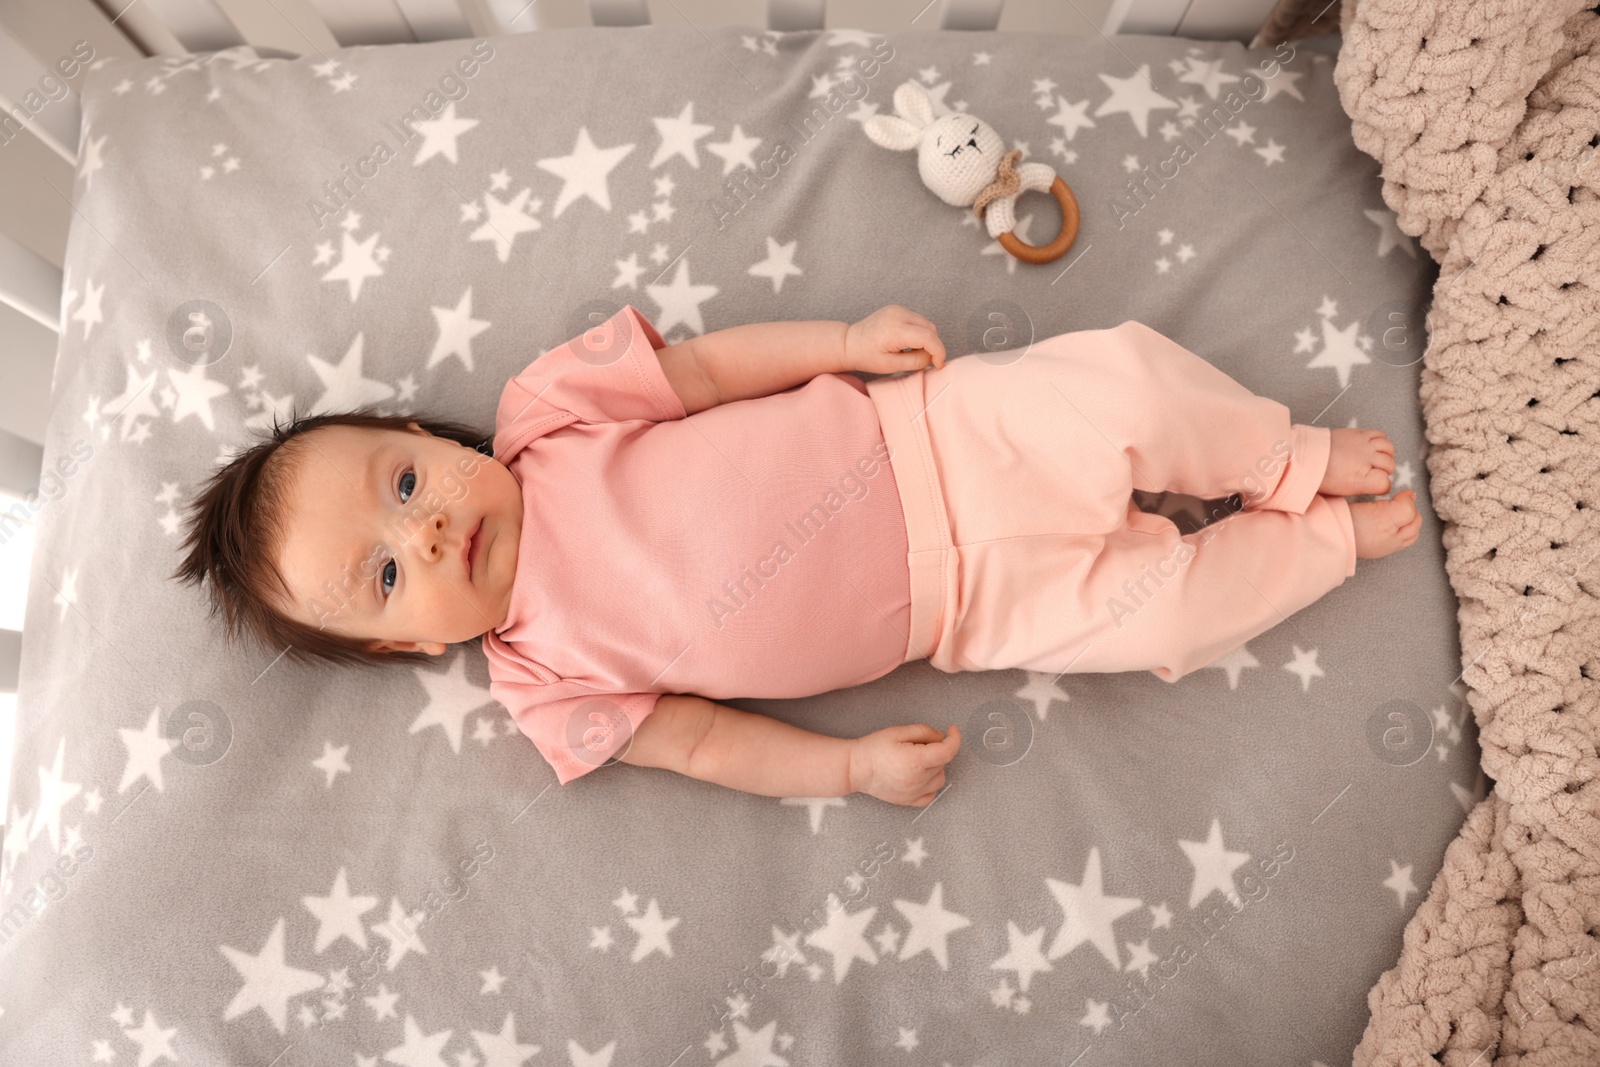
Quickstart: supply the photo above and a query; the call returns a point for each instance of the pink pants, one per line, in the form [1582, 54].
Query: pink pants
[1026, 549]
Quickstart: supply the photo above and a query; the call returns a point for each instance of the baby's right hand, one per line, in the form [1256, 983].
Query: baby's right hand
[903, 764]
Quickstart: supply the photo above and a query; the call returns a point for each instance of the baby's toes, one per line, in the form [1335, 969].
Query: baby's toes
[1380, 440]
[1375, 481]
[1403, 510]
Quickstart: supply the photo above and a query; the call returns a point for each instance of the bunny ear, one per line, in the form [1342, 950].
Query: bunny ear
[893, 133]
[912, 101]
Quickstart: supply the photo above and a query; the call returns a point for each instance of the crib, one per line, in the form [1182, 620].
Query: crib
[212, 856]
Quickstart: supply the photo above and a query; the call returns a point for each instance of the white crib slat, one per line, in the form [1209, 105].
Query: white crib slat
[786, 15]
[364, 21]
[198, 24]
[144, 26]
[970, 14]
[435, 20]
[292, 25]
[33, 98]
[47, 35]
[36, 208]
[481, 20]
[619, 12]
[30, 284]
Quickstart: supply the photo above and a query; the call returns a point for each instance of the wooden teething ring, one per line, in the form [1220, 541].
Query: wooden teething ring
[1069, 230]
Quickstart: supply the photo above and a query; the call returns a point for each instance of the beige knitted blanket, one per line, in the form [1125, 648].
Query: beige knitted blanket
[1485, 116]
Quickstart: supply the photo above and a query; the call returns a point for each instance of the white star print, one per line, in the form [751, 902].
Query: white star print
[269, 982]
[652, 929]
[1095, 1015]
[92, 160]
[419, 1049]
[678, 137]
[503, 1049]
[451, 697]
[194, 393]
[1042, 690]
[736, 150]
[843, 938]
[1208, 76]
[1389, 234]
[332, 762]
[1023, 954]
[440, 135]
[89, 312]
[1133, 96]
[1242, 133]
[628, 271]
[1271, 153]
[1339, 350]
[400, 930]
[339, 915]
[680, 301]
[931, 926]
[457, 328]
[814, 806]
[154, 1043]
[344, 386]
[507, 219]
[53, 796]
[1399, 880]
[1283, 83]
[1213, 867]
[778, 265]
[583, 171]
[1088, 914]
[1234, 663]
[146, 749]
[1070, 117]
[357, 263]
[1304, 664]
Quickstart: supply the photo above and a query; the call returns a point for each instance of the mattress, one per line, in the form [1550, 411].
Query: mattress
[214, 855]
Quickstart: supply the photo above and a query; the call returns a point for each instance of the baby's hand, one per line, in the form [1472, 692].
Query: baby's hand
[874, 343]
[902, 764]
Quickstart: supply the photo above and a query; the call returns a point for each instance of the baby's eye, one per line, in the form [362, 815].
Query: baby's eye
[386, 581]
[406, 493]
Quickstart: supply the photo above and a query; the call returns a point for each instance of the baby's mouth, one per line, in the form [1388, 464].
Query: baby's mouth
[472, 548]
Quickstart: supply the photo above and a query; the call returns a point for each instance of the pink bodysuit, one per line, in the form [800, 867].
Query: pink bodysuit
[754, 549]
[979, 515]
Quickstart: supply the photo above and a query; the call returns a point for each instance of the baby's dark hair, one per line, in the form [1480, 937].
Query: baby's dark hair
[237, 526]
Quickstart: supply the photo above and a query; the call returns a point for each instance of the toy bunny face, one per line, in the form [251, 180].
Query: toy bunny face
[957, 154]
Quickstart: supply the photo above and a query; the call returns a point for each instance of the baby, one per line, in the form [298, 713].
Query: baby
[737, 515]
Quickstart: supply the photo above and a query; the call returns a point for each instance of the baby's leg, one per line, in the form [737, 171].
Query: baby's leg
[1182, 425]
[1144, 597]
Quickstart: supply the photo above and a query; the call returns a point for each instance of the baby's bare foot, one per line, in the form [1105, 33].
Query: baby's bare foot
[1359, 462]
[1385, 526]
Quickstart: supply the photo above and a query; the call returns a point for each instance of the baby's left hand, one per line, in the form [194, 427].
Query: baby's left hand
[874, 343]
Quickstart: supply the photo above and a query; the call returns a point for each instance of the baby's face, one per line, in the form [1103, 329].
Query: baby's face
[377, 533]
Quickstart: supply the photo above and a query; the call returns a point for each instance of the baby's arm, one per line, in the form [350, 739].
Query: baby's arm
[756, 359]
[759, 754]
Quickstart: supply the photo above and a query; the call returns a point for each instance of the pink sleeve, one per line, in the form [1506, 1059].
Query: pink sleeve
[579, 733]
[608, 373]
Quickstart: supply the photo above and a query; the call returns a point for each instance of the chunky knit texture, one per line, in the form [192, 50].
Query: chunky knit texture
[1485, 116]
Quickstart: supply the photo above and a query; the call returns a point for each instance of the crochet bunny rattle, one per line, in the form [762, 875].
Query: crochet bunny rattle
[959, 158]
